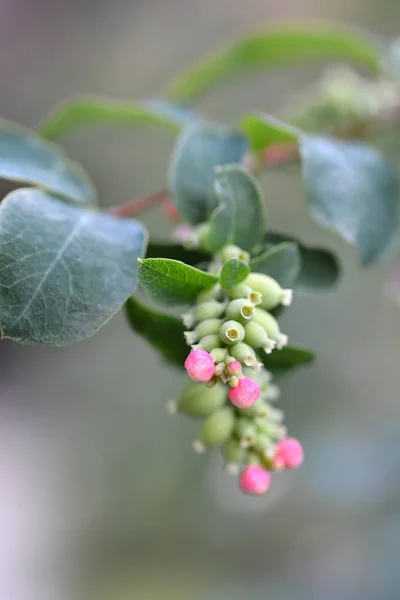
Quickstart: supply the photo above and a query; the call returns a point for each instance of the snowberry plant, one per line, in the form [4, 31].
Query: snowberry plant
[67, 265]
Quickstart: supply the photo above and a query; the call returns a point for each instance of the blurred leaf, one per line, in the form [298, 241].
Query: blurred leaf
[282, 262]
[354, 191]
[234, 271]
[171, 282]
[27, 158]
[177, 252]
[64, 270]
[264, 130]
[281, 362]
[241, 216]
[199, 149]
[319, 270]
[391, 60]
[277, 46]
[84, 111]
[164, 332]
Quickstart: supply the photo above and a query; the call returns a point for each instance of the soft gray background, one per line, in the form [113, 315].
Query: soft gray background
[99, 489]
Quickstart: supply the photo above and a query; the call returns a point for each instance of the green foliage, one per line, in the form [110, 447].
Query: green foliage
[84, 111]
[171, 282]
[199, 149]
[282, 262]
[353, 190]
[234, 271]
[264, 130]
[177, 252]
[64, 270]
[26, 158]
[164, 332]
[241, 216]
[282, 362]
[277, 46]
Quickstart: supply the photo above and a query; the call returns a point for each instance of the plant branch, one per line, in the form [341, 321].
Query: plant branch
[139, 205]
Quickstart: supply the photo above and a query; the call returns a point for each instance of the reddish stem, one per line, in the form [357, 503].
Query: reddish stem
[135, 207]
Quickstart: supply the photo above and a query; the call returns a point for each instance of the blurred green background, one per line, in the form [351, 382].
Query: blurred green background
[101, 496]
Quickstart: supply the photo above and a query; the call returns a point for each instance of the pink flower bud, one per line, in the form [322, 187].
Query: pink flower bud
[200, 365]
[234, 368]
[254, 480]
[245, 393]
[289, 454]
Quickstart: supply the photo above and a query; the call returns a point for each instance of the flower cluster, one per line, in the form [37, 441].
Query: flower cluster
[231, 389]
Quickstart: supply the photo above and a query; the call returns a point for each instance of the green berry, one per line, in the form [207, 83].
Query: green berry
[240, 290]
[246, 431]
[209, 295]
[207, 327]
[240, 309]
[218, 427]
[231, 332]
[232, 251]
[244, 354]
[198, 401]
[209, 343]
[272, 293]
[256, 336]
[208, 310]
[232, 451]
[271, 327]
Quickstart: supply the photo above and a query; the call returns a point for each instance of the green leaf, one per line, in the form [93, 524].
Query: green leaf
[354, 191]
[281, 362]
[84, 111]
[277, 46]
[264, 130]
[177, 252]
[390, 63]
[241, 216]
[64, 270]
[27, 158]
[164, 332]
[234, 271]
[171, 282]
[282, 262]
[198, 150]
[319, 270]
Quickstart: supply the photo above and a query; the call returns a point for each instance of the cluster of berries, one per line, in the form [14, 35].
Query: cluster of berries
[233, 391]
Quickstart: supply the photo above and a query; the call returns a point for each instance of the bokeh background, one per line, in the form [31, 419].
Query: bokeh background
[101, 496]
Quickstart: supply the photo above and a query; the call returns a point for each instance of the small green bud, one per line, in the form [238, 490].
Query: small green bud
[233, 381]
[264, 446]
[232, 251]
[240, 309]
[256, 336]
[208, 310]
[246, 431]
[232, 451]
[218, 427]
[207, 327]
[270, 324]
[258, 406]
[252, 458]
[208, 295]
[208, 343]
[231, 332]
[198, 401]
[219, 355]
[244, 354]
[219, 369]
[240, 291]
[272, 293]
[271, 429]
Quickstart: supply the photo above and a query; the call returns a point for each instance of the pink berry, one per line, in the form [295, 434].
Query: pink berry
[200, 365]
[289, 454]
[245, 393]
[254, 480]
[234, 368]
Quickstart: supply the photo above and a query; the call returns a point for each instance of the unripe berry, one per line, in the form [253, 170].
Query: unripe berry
[252, 458]
[240, 290]
[272, 293]
[240, 309]
[218, 427]
[232, 251]
[256, 336]
[209, 343]
[209, 295]
[254, 480]
[200, 365]
[198, 401]
[255, 408]
[219, 354]
[273, 430]
[246, 432]
[244, 354]
[208, 310]
[245, 393]
[264, 446]
[271, 327]
[231, 332]
[232, 451]
[289, 453]
[207, 327]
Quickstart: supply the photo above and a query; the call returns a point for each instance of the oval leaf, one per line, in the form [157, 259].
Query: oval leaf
[353, 190]
[234, 271]
[64, 270]
[282, 262]
[281, 362]
[26, 157]
[264, 130]
[241, 216]
[198, 151]
[84, 111]
[171, 282]
[164, 332]
[281, 45]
